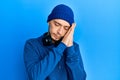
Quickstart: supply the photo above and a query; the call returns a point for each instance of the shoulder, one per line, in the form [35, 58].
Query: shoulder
[34, 41]
[31, 41]
[75, 44]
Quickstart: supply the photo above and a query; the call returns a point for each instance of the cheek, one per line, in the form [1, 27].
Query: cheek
[64, 33]
[52, 29]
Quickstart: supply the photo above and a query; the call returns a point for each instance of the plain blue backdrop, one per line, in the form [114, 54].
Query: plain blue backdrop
[97, 32]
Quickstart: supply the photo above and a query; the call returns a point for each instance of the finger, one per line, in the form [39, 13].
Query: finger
[69, 31]
[73, 26]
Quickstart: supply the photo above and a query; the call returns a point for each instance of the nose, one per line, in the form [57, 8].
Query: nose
[60, 30]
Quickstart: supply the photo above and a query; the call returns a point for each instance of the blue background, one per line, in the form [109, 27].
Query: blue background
[97, 32]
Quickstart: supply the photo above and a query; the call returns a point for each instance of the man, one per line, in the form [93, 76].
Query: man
[54, 55]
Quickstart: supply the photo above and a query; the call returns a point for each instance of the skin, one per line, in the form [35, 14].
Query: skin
[59, 28]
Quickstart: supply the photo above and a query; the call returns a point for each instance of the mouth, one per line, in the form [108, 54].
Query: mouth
[56, 37]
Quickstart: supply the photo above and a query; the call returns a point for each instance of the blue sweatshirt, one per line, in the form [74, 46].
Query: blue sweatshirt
[53, 62]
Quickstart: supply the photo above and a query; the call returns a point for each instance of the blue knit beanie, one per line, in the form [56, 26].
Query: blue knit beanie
[62, 12]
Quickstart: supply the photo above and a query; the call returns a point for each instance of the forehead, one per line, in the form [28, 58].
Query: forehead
[62, 22]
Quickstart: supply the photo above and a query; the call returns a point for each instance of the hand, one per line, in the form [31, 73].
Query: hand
[68, 38]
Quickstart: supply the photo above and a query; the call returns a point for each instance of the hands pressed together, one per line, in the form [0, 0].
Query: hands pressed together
[68, 38]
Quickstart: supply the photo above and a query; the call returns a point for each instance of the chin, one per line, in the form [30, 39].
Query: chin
[55, 40]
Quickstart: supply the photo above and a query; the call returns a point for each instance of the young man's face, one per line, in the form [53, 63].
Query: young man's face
[58, 28]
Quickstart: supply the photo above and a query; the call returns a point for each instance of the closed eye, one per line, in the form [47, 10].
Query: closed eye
[66, 27]
[57, 24]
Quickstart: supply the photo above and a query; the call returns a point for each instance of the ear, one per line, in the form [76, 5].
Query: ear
[48, 26]
[48, 23]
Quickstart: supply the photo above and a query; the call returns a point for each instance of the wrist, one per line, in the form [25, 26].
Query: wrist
[70, 51]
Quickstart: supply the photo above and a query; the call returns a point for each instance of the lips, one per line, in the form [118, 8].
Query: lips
[55, 36]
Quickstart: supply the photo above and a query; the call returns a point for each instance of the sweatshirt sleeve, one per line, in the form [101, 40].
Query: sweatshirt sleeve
[74, 63]
[37, 68]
